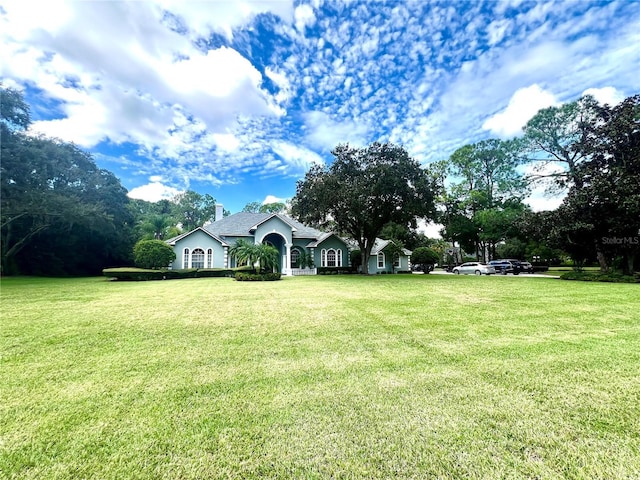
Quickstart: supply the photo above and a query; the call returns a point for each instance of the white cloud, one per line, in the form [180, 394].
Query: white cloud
[605, 95]
[325, 133]
[154, 191]
[273, 199]
[151, 86]
[226, 142]
[431, 230]
[540, 201]
[282, 82]
[430, 77]
[496, 31]
[202, 18]
[299, 157]
[304, 17]
[524, 104]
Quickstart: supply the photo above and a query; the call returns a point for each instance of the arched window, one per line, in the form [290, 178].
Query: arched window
[210, 258]
[331, 258]
[339, 257]
[323, 257]
[295, 258]
[185, 258]
[381, 260]
[197, 258]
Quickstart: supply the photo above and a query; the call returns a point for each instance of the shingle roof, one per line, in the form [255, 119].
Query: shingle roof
[380, 245]
[241, 225]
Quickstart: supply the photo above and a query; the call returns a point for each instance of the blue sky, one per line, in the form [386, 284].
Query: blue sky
[239, 98]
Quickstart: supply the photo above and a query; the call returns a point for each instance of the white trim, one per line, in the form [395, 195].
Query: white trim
[384, 260]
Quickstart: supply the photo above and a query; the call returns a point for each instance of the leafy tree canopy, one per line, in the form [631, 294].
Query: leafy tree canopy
[193, 210]
[362, 190]
[551, 137]
[486, 187]
[257, 207]
[15, 113]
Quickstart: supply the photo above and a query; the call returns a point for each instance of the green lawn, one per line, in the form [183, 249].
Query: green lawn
[403, 376]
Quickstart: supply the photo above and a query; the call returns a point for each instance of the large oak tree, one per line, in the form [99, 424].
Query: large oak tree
[362, 190]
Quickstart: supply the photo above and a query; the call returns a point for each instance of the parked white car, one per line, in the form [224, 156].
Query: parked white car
[475, 268]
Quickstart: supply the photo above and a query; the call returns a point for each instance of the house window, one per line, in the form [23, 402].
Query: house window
[185, 258]
[396, 261]
[210, 258]
[197, 258]
[295, 258]
[331, 258]
[381, 260]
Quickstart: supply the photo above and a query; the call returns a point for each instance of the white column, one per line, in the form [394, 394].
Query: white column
[286, 270]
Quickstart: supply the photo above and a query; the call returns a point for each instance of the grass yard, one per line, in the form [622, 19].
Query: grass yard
[394, 376]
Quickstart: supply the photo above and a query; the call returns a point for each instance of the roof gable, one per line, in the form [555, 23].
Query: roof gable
[285, 219]
[324, 237]
[174, 240]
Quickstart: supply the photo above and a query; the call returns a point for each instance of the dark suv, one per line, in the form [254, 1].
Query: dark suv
[503, 266]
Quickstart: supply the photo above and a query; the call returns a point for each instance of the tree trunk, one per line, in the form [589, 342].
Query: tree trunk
[364, 260]
[627, 266]
[602, 259]
[365, 254]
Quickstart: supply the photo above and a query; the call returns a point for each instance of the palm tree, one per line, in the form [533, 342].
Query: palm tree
[243, 252]
[305, 259]
[262, 257]
[266, 256]
[155, 227]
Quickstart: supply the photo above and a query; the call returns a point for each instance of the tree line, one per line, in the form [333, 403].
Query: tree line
[586, 151]
[62, 215]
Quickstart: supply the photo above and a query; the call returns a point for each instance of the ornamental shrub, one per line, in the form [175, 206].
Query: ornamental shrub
[133, 274]
[599, 277]
[257, 277]
[335, 270]
[153, 254]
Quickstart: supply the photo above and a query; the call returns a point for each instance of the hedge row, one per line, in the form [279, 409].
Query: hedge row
[257, 277]
[335, 270]
[600, 277]
[142, 274]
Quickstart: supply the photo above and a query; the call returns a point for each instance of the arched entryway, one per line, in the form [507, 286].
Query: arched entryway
[279, 242]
